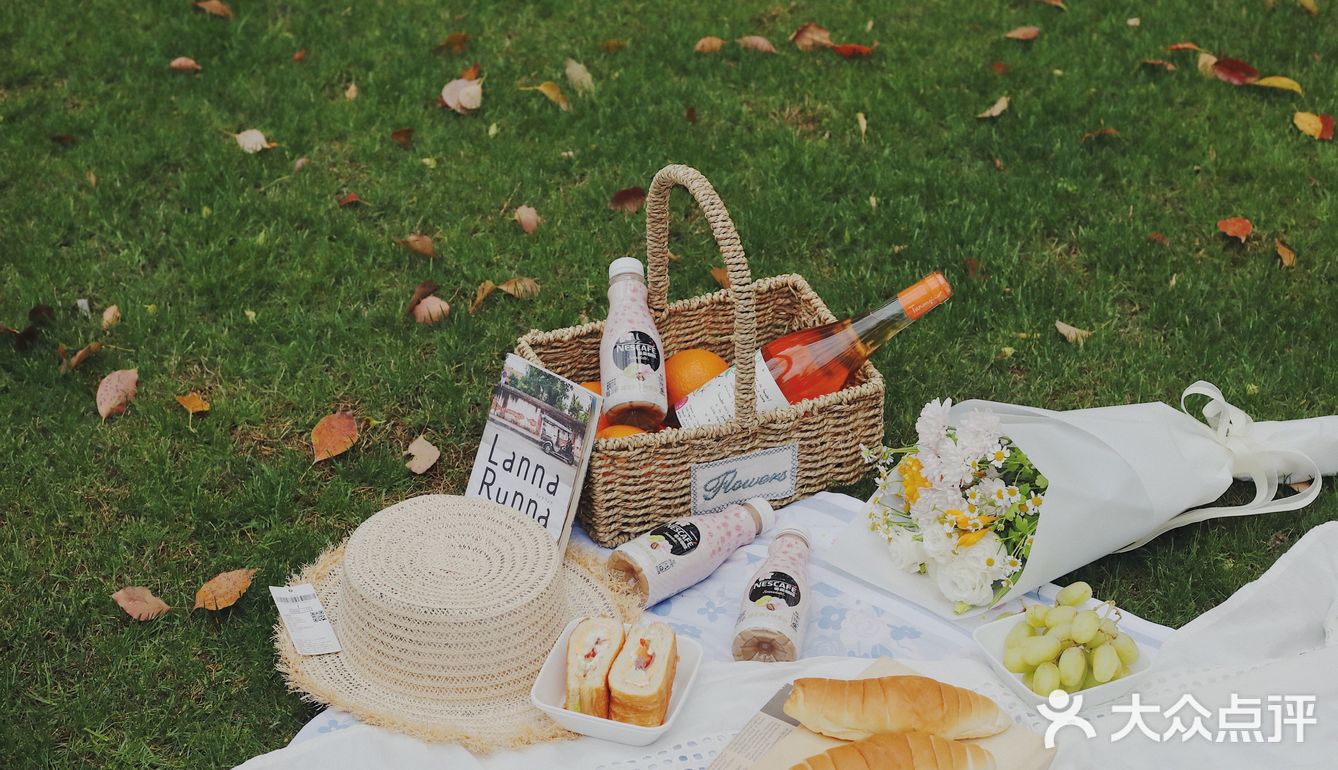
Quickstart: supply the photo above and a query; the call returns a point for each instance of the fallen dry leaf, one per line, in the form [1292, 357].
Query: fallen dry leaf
[333, 435]
[1235, 71]
[299, 56]
[1159, 238]
[853, 50]
[1162, 63]
[1313, 9]
[1100, 132]
[456, 42]
[809, 36]
[471, 72]
[1023, 33]
[628, 199]
[528, 219]
[756, 43]
[215, 8]
[1185, 46]
[92, 178]
[690, 114]
[520, 287]
[71, 363]
[193, 402]
[613, 45]
[349, 200]
[110, 317]
[1285, 253]
[1236, 227]
[974, 271]
[579, 78]
[116, 391]
[85, 309]
[184, 64]
[721, 276]
[553, 92]
[1134, 21]
[999, 68]
[999, 164]
[403, 137]
[1278, 81]
[481, 293]
[708, 44]
[252, 141]
[431, 309]
[422, 455]
[1056, 3]
[41, 313]
[420, 291]
[1206, 63]
[140, 603]
[1073, 334]
[351, 92]
[300, 164]
[420, 244]
[1300, 486]
[1315, 126]
[462, 95]
[863, 124]
[996, 109]
[224, 589]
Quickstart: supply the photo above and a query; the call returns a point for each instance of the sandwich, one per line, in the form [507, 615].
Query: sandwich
[642, 677]
[591, 650]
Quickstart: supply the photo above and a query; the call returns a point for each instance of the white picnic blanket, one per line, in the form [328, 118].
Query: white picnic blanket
[849, 624]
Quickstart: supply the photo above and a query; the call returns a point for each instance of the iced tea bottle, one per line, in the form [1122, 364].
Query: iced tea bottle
[631, 355]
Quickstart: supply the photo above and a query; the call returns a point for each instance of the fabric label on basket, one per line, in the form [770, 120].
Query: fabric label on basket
[304, 619]
[766, 473]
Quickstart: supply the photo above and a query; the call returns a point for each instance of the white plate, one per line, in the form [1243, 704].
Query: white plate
[990, 637]
[550, 692]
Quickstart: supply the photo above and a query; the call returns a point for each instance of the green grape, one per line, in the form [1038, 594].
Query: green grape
[1074, 594]
[1072, 668]
[1088, 680]
[1026, 681]
[1086, 624]
[1013, 661]
[1058, 616]
[1019, 632]
[1039, 649]
[1062, 632]
[1126, 647]
[1109, 628]
[1105, 662]
[1046, 679]
[1036, 615]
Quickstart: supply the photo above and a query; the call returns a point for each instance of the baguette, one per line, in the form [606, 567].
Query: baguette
[642, 678]
[591, 650]
[856, 709]
[902, 751]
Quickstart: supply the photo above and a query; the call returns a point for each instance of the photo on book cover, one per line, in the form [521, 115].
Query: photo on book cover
[535, 445]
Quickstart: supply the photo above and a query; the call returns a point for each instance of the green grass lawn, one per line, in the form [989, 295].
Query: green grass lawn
[186, 233]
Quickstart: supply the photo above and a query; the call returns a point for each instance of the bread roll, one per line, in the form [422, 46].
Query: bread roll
[591, 650]
[901, 751]
[642, 678]
[855, 709]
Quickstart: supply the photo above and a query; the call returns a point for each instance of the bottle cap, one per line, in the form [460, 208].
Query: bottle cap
[765, 513]
[626, 266]
[924, 295]
[798, 532]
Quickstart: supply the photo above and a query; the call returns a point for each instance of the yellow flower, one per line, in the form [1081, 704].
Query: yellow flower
[968, 539]
[970, 523]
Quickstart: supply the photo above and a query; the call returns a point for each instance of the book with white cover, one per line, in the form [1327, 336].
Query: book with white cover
[536, 445]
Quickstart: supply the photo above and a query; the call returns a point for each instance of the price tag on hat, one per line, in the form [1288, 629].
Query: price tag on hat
[304, 619]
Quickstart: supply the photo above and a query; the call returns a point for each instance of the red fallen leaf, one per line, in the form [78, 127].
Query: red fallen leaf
[852, 50]
[215, 8]
[116, 391]
[1159, 238]
[140, 603]
[628, 200]
[1107, 131]
[41, 314]
[471, 72]
[999, 68]
[1326, 130]
[300, 56]
[1236, 227]
[24, 340]
[63, 139]
[333, 435]
[974, 270]
[1185, 46]
[403, 137]
[1168, 66]
[999, 164]
[1023, 33]
[690, 115]
[349, 200]
[1235, 71]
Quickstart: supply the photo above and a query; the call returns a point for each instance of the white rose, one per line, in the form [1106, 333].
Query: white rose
[961, 581]
[907, 552]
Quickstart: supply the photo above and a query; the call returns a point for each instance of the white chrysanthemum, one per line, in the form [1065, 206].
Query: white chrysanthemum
[993, 493]
[997, 454]
[931, 428]
[954, 466]
[907, 552]
[978, 433]
[938, 541]
[988, 556]
[959, 580]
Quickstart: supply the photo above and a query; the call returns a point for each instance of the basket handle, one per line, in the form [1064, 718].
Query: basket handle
[740, 278]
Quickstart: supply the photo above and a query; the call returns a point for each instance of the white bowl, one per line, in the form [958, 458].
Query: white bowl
[550, 692]
[990, 638]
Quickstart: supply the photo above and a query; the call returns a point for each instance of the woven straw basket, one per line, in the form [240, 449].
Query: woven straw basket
[638, 482]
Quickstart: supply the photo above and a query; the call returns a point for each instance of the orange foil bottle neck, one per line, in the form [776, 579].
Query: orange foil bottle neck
[924, 295]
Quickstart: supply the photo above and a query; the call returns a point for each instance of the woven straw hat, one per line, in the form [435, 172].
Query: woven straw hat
[445, 608]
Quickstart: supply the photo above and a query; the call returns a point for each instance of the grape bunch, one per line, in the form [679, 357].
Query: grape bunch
[1067, 648]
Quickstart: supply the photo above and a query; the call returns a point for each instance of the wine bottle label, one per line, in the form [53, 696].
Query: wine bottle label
[713, 403]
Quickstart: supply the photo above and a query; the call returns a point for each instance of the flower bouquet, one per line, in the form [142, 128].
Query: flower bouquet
[994, 500]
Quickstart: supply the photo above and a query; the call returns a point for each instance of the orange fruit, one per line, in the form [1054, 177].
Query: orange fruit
[687, 370]
[618, 431]
[594, 387]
